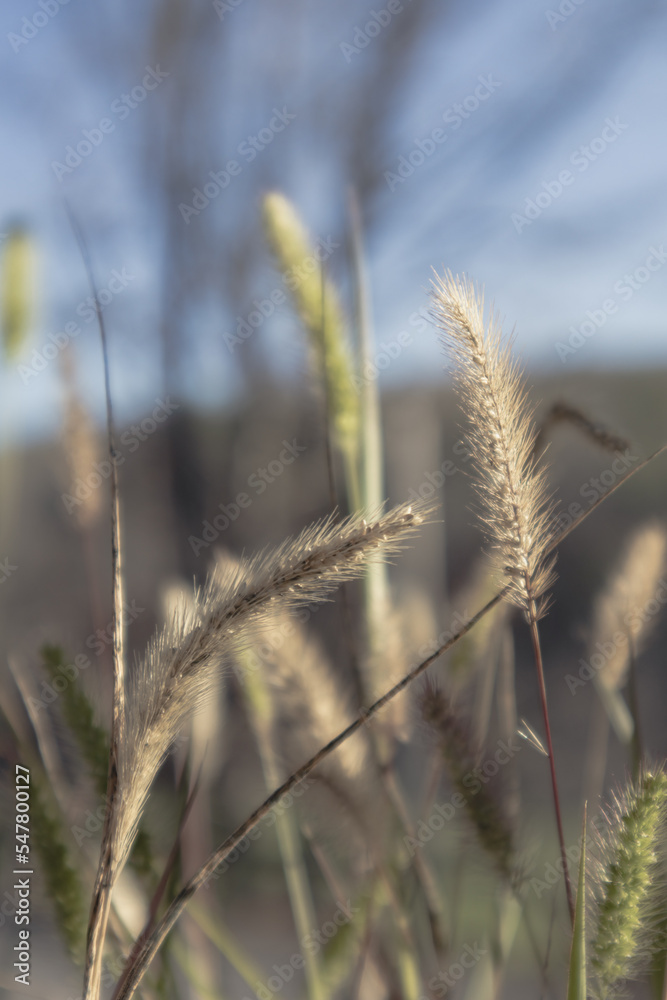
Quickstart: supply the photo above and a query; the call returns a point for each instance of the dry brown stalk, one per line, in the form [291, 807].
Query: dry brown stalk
[565, 413]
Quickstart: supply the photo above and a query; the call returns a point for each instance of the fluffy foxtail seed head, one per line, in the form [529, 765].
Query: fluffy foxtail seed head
[515, 509]
[183, 661]
[318, 305]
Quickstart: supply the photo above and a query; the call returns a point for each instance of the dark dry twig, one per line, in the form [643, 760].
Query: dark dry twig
[565, 413]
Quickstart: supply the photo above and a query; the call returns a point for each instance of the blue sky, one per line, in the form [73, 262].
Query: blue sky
[550, 88]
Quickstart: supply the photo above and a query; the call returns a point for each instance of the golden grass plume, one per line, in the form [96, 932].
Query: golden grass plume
[184, 660]
[515, 509]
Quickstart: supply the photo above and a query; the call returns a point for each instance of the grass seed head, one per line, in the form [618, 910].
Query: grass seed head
[515, 509]
[624, 906]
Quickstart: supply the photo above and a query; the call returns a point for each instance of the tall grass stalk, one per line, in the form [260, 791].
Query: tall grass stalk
[376, 582]
[289, 838]
[101, 901]
[515, 510]
[383, 661]
[371, 478]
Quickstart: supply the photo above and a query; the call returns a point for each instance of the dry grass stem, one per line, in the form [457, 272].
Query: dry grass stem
[565, 413]
[101, 901]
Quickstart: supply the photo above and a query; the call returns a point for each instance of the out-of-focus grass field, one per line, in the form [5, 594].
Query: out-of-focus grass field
[49, 598]
[408, 135]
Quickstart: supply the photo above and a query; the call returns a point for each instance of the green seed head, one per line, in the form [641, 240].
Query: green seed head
[318, 305]
[625, 900]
